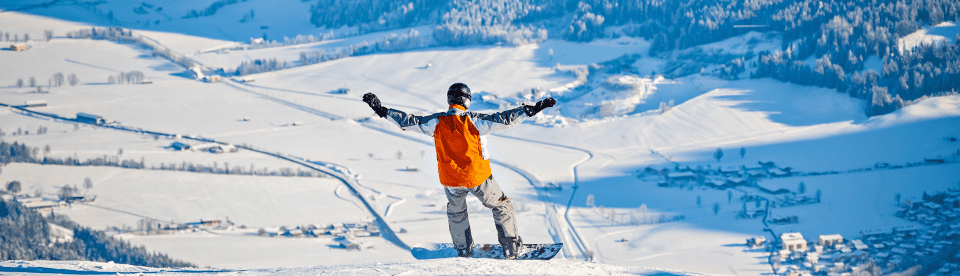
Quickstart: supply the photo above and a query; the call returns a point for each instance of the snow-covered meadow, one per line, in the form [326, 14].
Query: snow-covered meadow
[606, 129]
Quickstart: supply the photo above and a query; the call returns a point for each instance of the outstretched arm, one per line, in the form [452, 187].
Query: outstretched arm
[486, 124]
[405, 121]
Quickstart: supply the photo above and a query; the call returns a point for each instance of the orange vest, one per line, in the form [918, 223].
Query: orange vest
[459, 156]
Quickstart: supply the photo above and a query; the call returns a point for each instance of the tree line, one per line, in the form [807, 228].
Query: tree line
[839, 35]
[56, 80]
[125, 35]
[26, 235]
[21, 153]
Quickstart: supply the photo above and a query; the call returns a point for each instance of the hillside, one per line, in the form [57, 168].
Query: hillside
[656, 154]
[433, 267]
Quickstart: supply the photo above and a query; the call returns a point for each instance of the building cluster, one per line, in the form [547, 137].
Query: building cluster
[368, 229]
[151, 227]
[45, 205]
[208, 147]
[721, 178]
[937, 211]
[931, 247]
[828, 255]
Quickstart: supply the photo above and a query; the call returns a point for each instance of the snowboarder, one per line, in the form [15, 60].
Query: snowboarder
[463, 163]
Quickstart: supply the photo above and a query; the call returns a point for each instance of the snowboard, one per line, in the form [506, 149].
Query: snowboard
[423, 251]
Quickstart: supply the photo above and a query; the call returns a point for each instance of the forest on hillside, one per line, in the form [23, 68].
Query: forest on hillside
[839, 35]
[27, 235]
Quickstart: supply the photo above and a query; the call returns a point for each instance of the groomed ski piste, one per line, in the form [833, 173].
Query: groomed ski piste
[606, 130]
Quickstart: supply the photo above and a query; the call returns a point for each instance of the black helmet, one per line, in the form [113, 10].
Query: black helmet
[459, 93]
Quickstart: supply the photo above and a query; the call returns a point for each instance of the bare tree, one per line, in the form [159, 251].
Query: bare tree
[716, 208]
[87, 184]
[48, 35]
[58, 79]
[66, 192]
[111, 80]
[718, 154]
[14, 187]
[33, 82]
[743, 151]
[46, 149]
[73, 80]
[20, 83]
[698, 201]
[590, 200]
[399, 155]
[26, 37]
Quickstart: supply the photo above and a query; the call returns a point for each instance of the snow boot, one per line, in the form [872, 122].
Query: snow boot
[465, 253]
[511, 248]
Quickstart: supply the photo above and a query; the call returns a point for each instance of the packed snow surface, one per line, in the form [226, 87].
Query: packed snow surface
[456, 266]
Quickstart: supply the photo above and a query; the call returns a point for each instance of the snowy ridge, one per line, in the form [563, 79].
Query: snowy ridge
[456, 266]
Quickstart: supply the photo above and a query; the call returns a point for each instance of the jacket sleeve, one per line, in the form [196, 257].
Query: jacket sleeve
[488, 123]
[409, 122]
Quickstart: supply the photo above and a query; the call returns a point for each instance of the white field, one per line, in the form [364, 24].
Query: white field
[426, 267]
[806, 128]
[945, 32]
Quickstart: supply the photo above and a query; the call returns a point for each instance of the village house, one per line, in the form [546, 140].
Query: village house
[204, 223]
[18, 48]
[778, 173]
[736, 181]
[682, 176]
[40, 204]
[89, 118]
[34, 103]
[59, 234]
[180, 146]
[830, 240]
[793, 242]
[293, 233]
[729, 171]
[756, 241]
[214, 148]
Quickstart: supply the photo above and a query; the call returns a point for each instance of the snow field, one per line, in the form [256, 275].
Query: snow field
[808, 129]
[424, 267]
[181, 197]
[945, 32]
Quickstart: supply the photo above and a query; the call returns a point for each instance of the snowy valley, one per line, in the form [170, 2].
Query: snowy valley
[259, 158]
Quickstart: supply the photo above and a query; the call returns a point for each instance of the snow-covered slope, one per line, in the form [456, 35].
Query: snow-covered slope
[294, 112]
[426, 267]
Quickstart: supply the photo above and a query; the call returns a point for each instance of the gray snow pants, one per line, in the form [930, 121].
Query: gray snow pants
[492, 197]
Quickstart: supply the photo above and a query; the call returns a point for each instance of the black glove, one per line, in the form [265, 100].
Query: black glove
[541, 105]
[374, 104]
